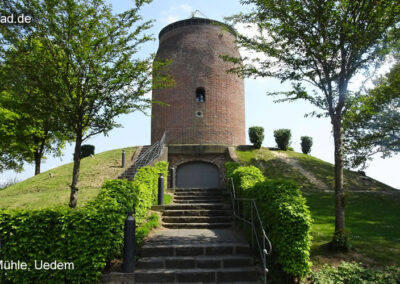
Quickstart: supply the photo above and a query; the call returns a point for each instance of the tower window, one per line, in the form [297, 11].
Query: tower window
[200, 95]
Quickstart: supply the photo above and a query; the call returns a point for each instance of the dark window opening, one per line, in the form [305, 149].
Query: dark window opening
[200, 95]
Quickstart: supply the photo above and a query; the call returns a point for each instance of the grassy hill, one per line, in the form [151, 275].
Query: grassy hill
[43, 191]
[372, 208]
[372, 212]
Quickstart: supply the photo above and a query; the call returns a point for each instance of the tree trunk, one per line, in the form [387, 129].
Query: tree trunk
[73, 200]
[38, 159]
[339, 239]
[39, 154]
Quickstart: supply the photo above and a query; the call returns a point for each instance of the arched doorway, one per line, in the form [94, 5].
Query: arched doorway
[197, 175]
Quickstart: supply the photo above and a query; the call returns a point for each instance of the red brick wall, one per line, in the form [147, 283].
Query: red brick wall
[195, 51]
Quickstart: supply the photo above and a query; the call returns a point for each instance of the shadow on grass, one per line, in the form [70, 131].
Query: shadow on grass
[373, 222]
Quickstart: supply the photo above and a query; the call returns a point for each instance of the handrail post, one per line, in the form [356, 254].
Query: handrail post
[252, 227]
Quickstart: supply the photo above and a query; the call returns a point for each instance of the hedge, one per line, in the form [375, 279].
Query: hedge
[256, 135]
[287, 221]
[306, 144]
[282, 138]
[87, 150]
[88, 237]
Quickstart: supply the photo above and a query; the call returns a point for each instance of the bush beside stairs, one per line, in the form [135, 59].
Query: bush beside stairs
[196, 244]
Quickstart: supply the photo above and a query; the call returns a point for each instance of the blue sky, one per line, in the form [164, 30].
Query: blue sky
[260, 109]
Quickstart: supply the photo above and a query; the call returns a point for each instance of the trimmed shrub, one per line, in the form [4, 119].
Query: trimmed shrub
[287, 221]
[88, 237]
[245, 178]
[256, 135]
[230, 167]
[87, 150]
[282, 138]
[355, 273]
[306, 144]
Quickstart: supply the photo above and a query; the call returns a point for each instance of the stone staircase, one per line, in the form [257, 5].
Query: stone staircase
[196, 244]
[197, 209]
[130, 172]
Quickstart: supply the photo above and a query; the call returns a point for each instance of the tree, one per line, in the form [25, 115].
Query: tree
[306, 144]
[256, 135]
[372, 123]
[29, 95]
[282, 138]
[99, 73]
[321, 44]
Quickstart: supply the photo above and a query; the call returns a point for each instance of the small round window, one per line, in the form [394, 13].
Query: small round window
[200, 95]
[199, 113]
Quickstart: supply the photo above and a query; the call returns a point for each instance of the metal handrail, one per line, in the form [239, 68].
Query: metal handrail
[263, 243]
[149, 155]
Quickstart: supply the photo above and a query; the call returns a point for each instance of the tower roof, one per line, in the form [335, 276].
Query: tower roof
[194, 21]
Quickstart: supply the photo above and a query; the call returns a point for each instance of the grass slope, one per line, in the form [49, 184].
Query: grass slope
[372, 208]
[43, 191]
[274, 167]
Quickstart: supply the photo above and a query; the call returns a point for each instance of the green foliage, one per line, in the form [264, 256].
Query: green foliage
[245, 178]
[306, 144]
[315, 42]
[94, 53]
[256, 135]
[372, 123]
[230, 167]
[282, 138]
[31, 125]
[355, 273]
[286, 218]
[142, 231]
[87, 150]
[88, 237]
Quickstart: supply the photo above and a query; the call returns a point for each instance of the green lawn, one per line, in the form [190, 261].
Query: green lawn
[325, 172]
[373, 221]
[372, 216]
[275, 168]
[270, 165]
[43, 191]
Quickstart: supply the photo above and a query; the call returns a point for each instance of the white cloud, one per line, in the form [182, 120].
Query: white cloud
[176, 12]
[170, 19]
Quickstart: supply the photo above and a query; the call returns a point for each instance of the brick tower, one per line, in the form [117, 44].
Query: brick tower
[206, 105]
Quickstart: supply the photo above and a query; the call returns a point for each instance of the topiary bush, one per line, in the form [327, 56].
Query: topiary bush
[306, 144]
[87, 150]
[287, 221]
[282, 138]
[256, 135]
[88, 237]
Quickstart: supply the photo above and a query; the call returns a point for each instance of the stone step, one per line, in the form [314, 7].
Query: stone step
[191, 193]
[199, 206]
[197, 213]
[205, 190]
[188, 262]
[191, 201]
[197, 194]
[197, 219]
[227, 275]
[196, 225]
[196, 197]
[194, 249]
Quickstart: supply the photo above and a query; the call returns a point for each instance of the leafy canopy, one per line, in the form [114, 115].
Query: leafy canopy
[372, 124]
[323, 43]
